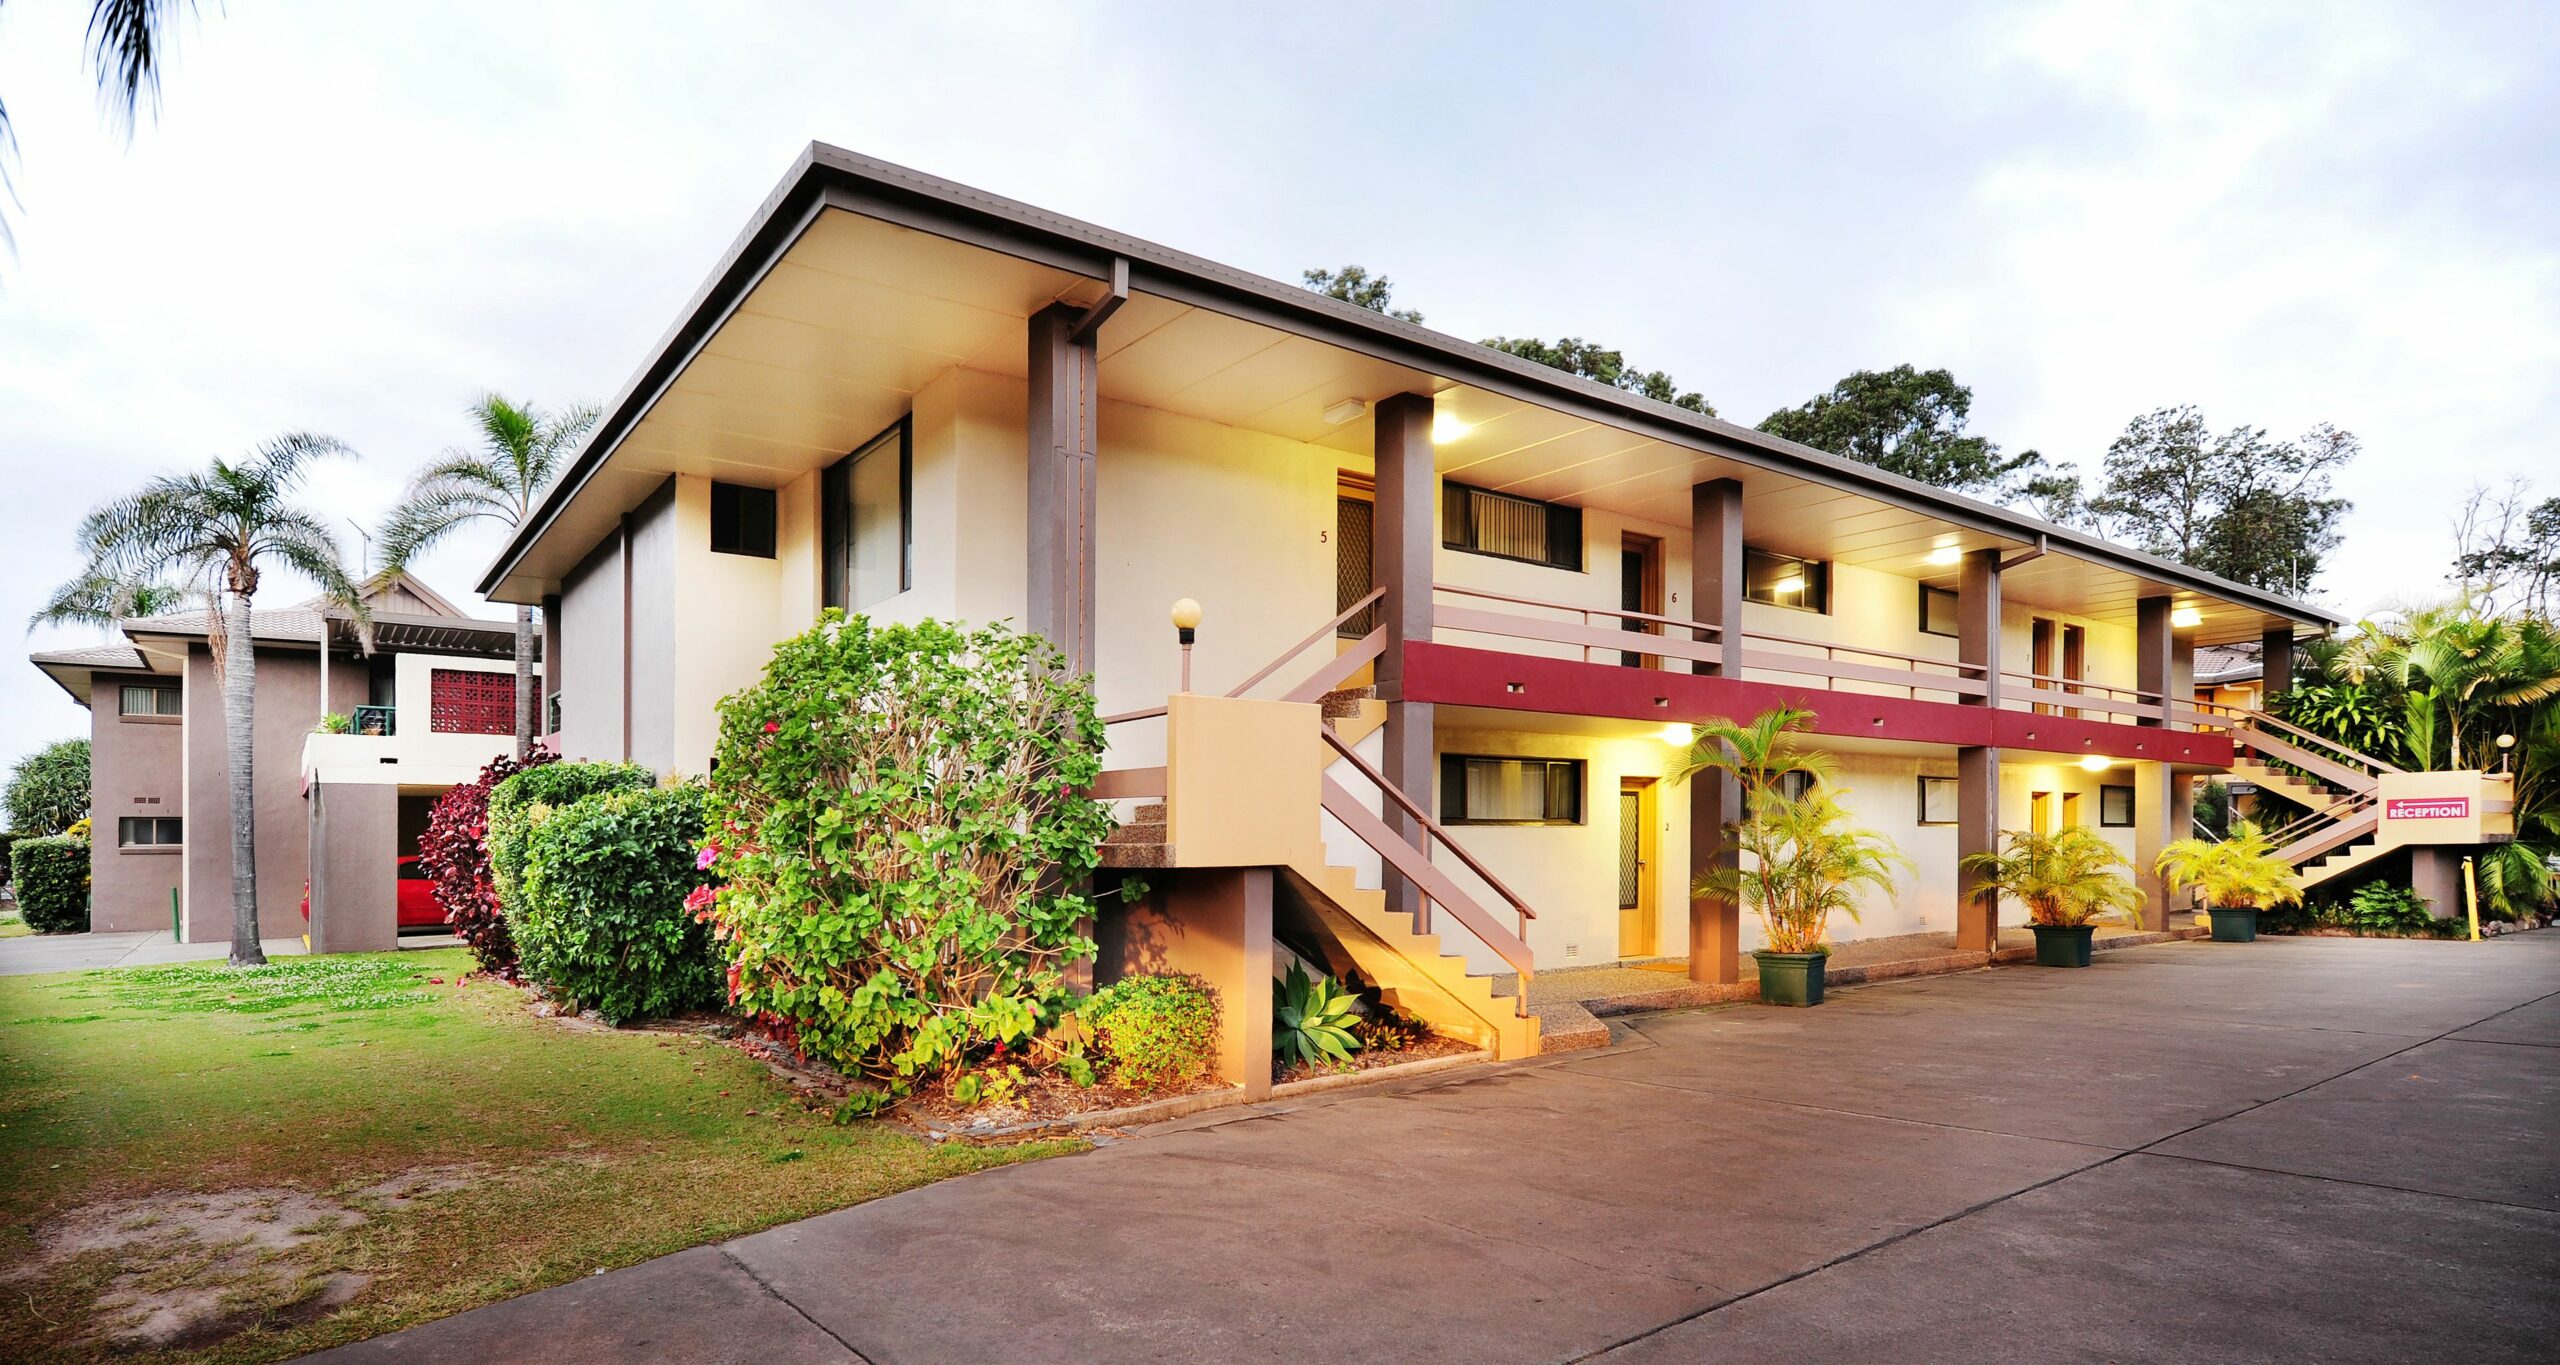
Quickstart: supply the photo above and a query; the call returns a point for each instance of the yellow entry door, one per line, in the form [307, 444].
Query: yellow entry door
[1638, 917]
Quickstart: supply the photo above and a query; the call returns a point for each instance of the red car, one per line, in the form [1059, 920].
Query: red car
[417, 898]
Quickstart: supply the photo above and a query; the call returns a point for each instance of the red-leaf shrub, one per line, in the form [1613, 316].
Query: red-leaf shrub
[454, 851]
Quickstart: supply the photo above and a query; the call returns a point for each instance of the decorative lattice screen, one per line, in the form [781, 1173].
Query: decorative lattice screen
[470, 702]
[1352, 527]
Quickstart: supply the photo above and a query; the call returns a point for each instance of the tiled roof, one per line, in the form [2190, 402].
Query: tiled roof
[2226, 663]
[92, 656]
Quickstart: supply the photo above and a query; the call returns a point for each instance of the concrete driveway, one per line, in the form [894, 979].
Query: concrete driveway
[2299, 1149]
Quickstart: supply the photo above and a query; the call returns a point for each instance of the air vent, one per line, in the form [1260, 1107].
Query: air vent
[1572, 951]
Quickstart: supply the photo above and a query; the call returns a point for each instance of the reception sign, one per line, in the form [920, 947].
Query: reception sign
[2427, 808]
[2443, 808]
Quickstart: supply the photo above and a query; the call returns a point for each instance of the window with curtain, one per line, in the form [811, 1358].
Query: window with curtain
[1938, 611]
[1506, 527]
[150, 831]
[867, 521]
[1476, 790]
[147, 700]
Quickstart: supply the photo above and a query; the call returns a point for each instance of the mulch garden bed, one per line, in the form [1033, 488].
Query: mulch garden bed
[1046, 1096]
[1432, 1045]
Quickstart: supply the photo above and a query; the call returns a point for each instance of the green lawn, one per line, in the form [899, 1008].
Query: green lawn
[13, 925]
[533, 1153]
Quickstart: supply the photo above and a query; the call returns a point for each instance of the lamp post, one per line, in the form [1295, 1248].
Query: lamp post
[2506, 743]
[1186, 625]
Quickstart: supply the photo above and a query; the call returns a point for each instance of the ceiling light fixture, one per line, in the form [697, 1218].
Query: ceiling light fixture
[1344, 411]
[2096, 763]
[1946, 554]
[1678, 734]
[2185, 617]
[1445, 428]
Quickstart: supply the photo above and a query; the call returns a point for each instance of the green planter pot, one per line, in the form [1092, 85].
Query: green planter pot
[2234, 923]
[2063, 945]
[1791, 978]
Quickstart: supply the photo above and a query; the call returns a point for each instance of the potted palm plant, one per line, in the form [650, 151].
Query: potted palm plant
[2068, 880]
[2239, 876]
[1803, 857]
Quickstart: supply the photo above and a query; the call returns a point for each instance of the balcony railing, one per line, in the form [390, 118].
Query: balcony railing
[1644, 637]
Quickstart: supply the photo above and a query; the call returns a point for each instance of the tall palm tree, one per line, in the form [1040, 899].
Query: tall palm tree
[521, 450]
[216, 531]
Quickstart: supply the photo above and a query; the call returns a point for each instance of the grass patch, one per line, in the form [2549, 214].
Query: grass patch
[13, 925]
[479, 1152]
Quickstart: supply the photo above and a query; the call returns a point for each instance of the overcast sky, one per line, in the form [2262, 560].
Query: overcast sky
[353, 219]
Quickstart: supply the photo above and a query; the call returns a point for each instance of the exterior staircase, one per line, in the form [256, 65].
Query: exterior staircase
[2334, 783]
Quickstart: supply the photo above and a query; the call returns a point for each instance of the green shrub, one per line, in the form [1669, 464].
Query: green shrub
[8, 840]
[1155, 1030]
[52, 877]
[48, 790]
[900, 817]
[522, 801]
[2385, 909]
[1311, 1019]
[599, 916]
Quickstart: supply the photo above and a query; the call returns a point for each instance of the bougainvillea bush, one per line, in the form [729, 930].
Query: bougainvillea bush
[454, 851]
[525, 799]
[899, 822]
[599, 913]
[52, 877]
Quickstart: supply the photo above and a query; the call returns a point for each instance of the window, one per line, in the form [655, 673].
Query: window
[1795, 786]
[146, 699]
[1780, 581]
[868, 522]
[1937, 800]
[2115, 807]
[1510, 791]
[1937, 611]
[150, 831]
[741, 520]
[1506, 527]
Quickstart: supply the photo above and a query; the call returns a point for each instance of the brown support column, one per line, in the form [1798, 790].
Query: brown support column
[550, 661]
[1066, 378]
[2164, 660]
[1978, 767]
[1400, 550]
[2275, 662]
[1715, 800]
[2435, 873]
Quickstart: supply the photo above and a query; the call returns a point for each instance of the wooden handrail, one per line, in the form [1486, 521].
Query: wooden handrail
[1647, 617]
[1300, 647]
[2262, 719]
[1416, 866]
[2086, 685]
[1430, 827]
[2336, 810]
[1362, 653]
[1150, 713]
[1959, 665]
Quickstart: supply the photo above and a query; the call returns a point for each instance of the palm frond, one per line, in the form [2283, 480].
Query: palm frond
[128, 44]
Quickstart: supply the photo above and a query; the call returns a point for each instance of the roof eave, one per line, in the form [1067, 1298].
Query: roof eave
[829, 177]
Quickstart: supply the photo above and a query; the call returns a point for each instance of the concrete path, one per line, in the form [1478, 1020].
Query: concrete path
[81, 952]
[2330, 1149]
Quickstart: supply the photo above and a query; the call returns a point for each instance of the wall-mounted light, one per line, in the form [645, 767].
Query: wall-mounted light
[1678, 735]
[2096, 763]
[1344, 411]
[2185, 617]
[1445, 428]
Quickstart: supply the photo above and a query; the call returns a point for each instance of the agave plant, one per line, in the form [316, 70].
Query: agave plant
[2240, 872]
[1311, 1022]
[2068, 878]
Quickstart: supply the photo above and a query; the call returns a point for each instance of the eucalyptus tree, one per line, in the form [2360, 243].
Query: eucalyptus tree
[216, 531]
[521, 450]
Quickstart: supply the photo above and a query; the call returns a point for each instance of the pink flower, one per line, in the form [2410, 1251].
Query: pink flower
[773, 727]
[698, 899]
[710, 854]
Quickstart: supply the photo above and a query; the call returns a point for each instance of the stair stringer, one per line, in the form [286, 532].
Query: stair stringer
[1410, 970]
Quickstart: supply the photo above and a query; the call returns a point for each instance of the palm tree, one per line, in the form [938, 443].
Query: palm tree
[100, 599]
[127, 39]
[215, 532]
[521, 448]
[1808, 861]
[1756, 754]
[2070, 877]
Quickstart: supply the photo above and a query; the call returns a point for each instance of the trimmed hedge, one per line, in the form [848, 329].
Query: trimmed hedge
[1156, 1030]
[52, 877]
[599, 913]
[520, 802]
[8, 840]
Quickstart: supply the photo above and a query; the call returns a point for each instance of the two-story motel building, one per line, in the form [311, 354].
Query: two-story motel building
[1499, 589]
